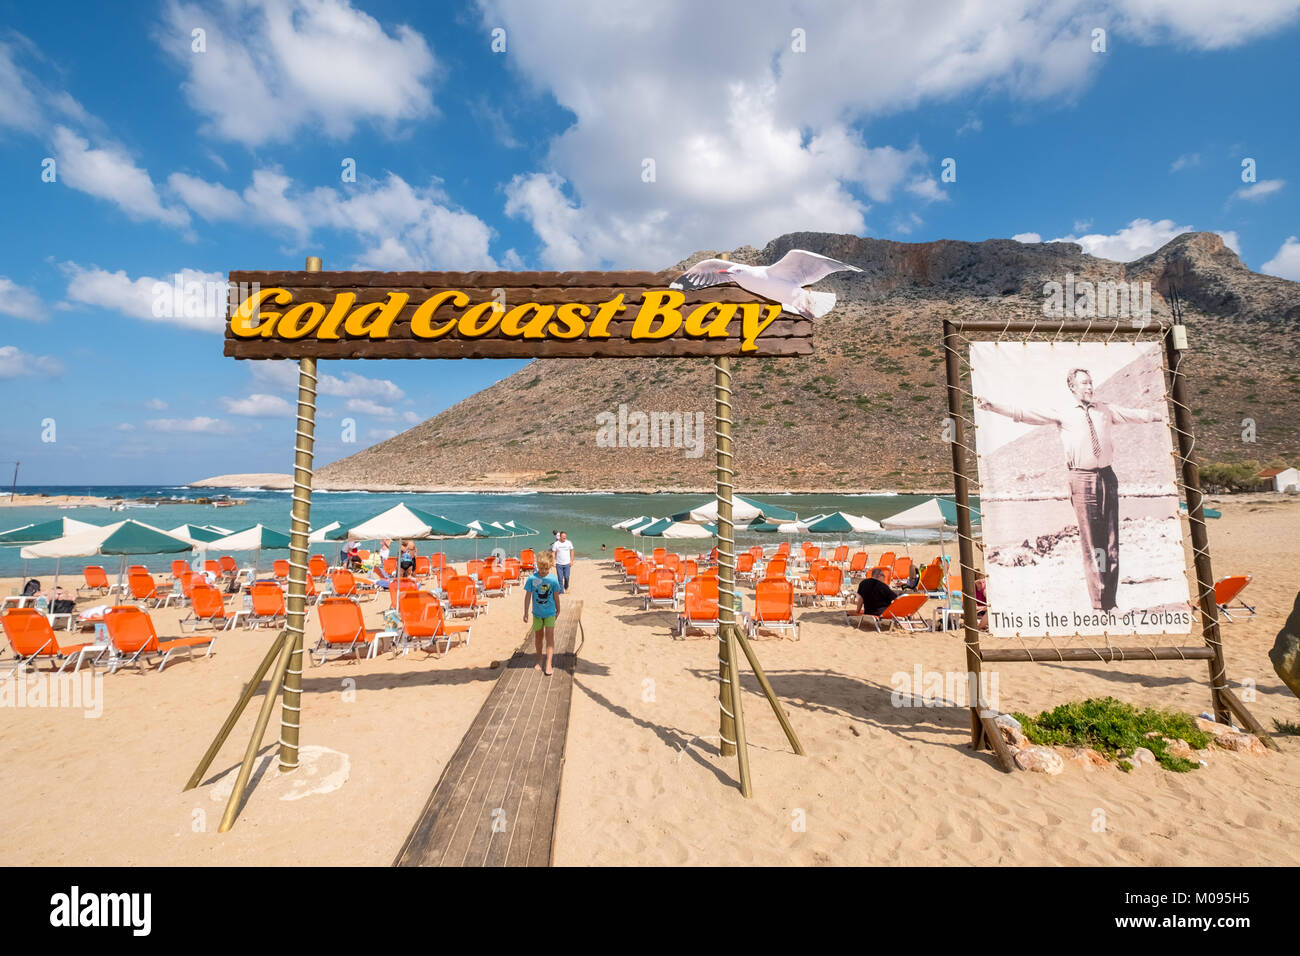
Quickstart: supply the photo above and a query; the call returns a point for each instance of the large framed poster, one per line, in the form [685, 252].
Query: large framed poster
[1078, 494]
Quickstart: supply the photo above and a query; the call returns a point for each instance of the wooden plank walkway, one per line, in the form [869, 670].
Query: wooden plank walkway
[495, 802]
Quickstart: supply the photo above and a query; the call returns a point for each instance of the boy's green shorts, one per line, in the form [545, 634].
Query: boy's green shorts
[541, 622]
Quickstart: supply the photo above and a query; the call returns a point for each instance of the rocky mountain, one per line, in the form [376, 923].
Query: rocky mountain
[865, 411]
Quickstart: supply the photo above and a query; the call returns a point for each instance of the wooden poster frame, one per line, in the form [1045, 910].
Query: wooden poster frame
[984, 733]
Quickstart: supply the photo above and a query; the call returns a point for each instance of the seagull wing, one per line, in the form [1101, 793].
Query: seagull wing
[703, 274]
[804, 268]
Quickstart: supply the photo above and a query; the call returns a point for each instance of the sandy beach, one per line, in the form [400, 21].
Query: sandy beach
[643, 782]
[54, 501]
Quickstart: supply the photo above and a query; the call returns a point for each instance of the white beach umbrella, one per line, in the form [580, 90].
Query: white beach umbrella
[319, 536]
[667, 528]
[255, 539]
[933, 514]
[121, 538]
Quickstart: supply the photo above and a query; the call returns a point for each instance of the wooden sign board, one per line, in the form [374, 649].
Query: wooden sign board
[348, 315]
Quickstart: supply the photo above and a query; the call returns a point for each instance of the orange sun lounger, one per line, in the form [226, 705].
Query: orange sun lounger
[343, 630]
[96, 580]
[774, 607]
[208, 605]
[268, 604]
[905, 612]
[661, 590]
[1228, 590]
[131, 631]
[33, 639]
[423, 620]
[701, 607]
[462, 596]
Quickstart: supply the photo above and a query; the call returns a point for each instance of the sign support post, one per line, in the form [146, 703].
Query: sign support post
[300, 527]
[730, 721]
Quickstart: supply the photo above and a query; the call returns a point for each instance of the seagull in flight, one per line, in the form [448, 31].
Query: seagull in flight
[782, 282]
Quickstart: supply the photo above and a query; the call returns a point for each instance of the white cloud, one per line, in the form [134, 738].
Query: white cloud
[15, 363]
[1185, 161]
[1207, 24]
[258, 406]
[25, 102]
[927, 188]
[364, 406]
[19, 106]
[1286, 264]
[1027, 237]
[20, 302]
[267, 201]
[903, 225]
[201, 304]
[156, 404]
[1257, 191]
[212, 201]
[273, 67]
[1139, 238]
[200, 424]
[380, 434]
[406, 228]
[400, 226]
[353, 383]
[109, 173]
[284, 377]
[125, 427]
[750, 138]
[412, 418]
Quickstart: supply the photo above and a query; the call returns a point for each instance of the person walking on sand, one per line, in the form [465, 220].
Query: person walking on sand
[1086, 427]
[563, 551]
[542, 596]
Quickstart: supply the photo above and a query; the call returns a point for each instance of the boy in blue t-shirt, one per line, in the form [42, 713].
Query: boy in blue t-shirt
[542, 595]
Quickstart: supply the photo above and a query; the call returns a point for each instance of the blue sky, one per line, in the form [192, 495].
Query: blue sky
[194, 156]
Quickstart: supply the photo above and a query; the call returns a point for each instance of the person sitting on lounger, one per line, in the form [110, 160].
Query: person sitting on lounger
[874, 595]
[981, 599]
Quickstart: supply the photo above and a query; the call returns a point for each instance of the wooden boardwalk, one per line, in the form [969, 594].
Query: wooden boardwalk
[495, 802]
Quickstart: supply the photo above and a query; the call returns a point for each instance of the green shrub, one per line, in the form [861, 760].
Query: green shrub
[1108, 726]
[1230, 475]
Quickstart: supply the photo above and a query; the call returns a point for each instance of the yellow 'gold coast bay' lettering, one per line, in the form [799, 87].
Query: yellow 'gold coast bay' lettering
[664, 305]
[242, 323]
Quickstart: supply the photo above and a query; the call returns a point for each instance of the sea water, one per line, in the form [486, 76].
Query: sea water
[586, 518]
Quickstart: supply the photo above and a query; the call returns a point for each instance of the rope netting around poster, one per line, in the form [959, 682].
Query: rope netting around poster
[1073, 439]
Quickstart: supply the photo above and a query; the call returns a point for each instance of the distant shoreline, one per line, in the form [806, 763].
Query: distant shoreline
[275, 482]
